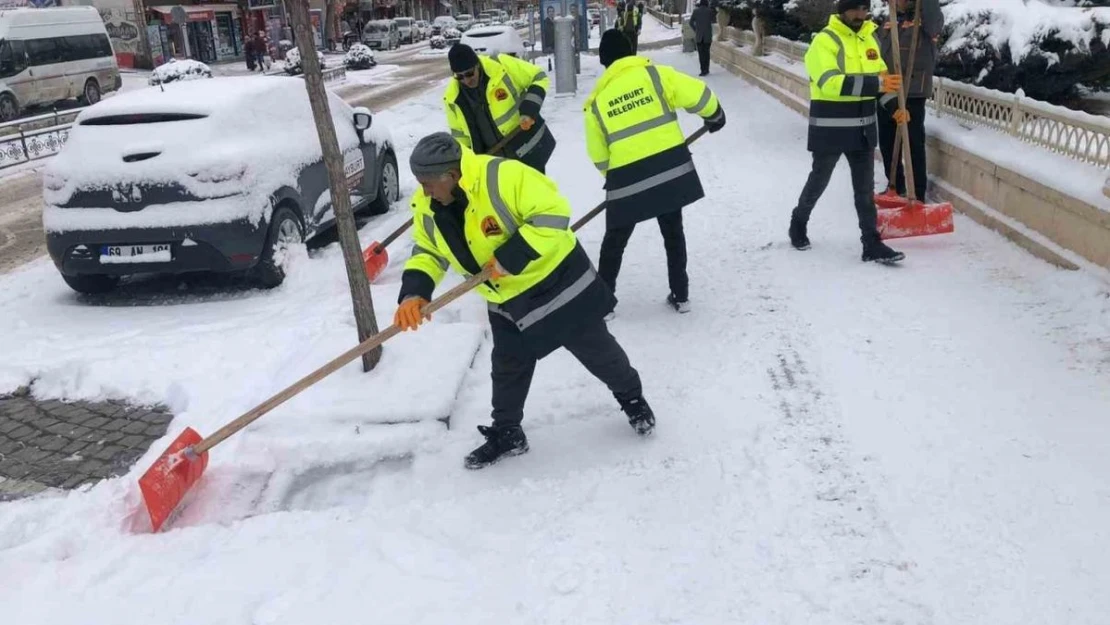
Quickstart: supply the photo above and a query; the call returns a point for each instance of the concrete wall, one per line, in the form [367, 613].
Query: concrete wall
[994, 196]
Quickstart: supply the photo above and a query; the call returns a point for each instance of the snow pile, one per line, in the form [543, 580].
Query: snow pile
[174, 70]
[230, 152]
[1023, 27]
[360, 56]
[838, 443]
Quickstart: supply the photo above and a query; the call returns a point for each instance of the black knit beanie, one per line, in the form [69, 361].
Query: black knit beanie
[462, 58]
[614, 45]
[848, 5]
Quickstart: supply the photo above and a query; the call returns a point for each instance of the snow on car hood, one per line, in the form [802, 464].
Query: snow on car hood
[215, 137]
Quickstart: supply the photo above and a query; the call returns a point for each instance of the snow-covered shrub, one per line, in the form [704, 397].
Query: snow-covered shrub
[293, 61]
[437, 42]
[360, 56]
[174, 70]
[1046, 49]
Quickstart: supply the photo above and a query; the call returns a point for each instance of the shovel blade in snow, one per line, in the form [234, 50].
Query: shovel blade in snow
[915, 220]
[171, 476]
[890, 199]
[375, 258]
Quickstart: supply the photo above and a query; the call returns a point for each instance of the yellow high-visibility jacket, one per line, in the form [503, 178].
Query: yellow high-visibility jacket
[514, 213]
[515, 88]
[844, 67]
[633, 137]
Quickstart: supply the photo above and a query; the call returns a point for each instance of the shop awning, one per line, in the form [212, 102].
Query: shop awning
[196, 13]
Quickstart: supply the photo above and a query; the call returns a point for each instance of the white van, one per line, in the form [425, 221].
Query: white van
[53, 54]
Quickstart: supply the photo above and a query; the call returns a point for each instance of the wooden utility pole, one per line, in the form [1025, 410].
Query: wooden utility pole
[337, 180]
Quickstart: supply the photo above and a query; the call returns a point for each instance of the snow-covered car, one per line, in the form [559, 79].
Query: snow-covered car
[423, 29]
[219, 175]
[381, 35]
[464, 21]
[174, 70]
[405, 29]
[359, 57]
[493, 40]
[442, 23]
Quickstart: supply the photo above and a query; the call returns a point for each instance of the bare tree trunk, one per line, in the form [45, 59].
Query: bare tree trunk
[337, 181]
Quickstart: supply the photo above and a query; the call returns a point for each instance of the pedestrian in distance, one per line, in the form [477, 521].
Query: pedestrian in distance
[488, 98]
[635, 141]
[701, 21]
[475, 211]
[919, 88]
[847, 76]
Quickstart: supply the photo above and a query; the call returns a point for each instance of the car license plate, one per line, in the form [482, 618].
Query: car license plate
[151, 253]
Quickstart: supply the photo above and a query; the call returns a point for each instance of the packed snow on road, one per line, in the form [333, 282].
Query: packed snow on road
[837, 442]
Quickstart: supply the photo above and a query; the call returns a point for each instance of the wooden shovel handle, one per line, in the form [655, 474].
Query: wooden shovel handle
[333, 366]
[694, 136]
[497, 147]
[914, 41]
[903, 129]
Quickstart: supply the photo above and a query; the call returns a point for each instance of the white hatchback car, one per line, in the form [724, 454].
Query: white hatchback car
[494, 40]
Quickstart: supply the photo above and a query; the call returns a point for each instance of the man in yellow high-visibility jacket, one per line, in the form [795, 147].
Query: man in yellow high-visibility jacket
[846, 77]
[490, 97]
[633, 138]
[629, 22]
[474, 211]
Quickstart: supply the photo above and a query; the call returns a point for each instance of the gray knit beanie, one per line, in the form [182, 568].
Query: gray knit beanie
[435, 154]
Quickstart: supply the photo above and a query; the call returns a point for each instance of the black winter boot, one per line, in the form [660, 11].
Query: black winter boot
[798, 236]
[501, 442]
[874, 250]
[640, 416]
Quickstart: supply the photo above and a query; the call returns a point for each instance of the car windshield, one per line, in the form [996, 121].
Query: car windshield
[378, 28]
[403, 21]
[140, 118]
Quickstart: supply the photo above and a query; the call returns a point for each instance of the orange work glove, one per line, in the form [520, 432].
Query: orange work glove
[496, 270]
[891, 83]
[408, 315]
[526, 122]
[901, 116]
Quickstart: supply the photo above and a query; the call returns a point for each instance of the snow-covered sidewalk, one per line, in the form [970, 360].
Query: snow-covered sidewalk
[837, 442]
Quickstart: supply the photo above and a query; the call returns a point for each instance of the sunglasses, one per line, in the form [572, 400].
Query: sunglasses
[467, 75]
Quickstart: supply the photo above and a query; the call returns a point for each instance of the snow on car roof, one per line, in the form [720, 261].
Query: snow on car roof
[200, 97]
[488, 30]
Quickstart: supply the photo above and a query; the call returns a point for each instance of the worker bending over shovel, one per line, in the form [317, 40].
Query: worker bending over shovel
[473, 212]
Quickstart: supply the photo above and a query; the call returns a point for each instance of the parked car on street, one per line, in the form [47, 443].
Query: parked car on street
[52, 54]
[381, 35]
[423, 29]
[493, 40]
[405, 29]
[443, 22]
[463, 21]
[194, 178]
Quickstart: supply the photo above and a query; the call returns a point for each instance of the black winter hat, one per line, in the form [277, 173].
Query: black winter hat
[462, 57]
[614, 45]
[848, 5]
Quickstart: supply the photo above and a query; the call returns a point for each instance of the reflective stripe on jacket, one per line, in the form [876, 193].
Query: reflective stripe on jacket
[515, 88]
[844, 67]
[634, 139]
[516, 214]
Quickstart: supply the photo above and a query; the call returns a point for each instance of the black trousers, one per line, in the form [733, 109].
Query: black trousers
[862, 163]
[594, 347]
[703, 56]
[888, 130]
[674, 244]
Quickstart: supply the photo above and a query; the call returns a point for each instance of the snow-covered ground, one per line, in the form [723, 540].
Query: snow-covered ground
[837, 442]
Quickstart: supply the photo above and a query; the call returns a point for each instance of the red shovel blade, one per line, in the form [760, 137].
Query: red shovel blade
[171, 476]
[915, 220]
[375, 258]
[890, 199]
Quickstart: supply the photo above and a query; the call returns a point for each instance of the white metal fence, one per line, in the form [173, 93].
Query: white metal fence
[1077, 135]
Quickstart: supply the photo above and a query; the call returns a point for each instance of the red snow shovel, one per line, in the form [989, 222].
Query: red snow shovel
[376, 258]
[911, 218]
[171, 476]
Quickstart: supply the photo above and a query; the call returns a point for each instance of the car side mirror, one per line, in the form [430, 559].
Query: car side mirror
[362, 119]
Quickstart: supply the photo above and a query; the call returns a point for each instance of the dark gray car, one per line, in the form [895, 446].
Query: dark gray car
[220, 174]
